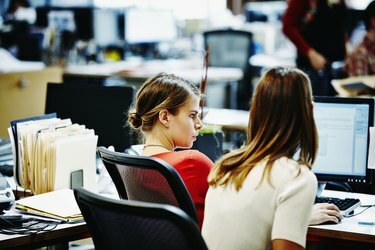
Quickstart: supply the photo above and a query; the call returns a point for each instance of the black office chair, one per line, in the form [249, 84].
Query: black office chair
[210, 144]
[233, 48]
[147, 179]
[124, 224]
[101, 108]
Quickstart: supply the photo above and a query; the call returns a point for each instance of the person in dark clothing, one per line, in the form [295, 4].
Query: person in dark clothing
[15, 34]
[317, 28]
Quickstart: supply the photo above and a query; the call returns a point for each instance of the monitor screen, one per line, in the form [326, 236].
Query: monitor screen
[149, 26]
[83, 18]
[101, 108]
[106, 27]
[343, 130]
[264, 11]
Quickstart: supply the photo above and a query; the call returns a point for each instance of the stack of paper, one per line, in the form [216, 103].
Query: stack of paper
[47, 150]
[59, 205]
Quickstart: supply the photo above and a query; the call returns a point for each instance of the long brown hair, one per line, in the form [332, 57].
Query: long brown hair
[281, 123]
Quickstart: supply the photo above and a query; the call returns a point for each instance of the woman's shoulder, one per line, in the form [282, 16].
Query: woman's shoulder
[190, 155]
[291, 169]
[292, 177]
[195, 155]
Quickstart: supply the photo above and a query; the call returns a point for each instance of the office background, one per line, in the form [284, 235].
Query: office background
[80, 35]
[79, 41]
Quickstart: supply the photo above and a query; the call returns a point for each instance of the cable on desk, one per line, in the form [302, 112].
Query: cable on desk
[32, 226]
[352, 215]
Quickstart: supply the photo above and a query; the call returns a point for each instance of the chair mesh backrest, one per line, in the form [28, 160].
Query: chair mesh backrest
[229, 48]
[134, 225]
[147, 179]
[146, 185]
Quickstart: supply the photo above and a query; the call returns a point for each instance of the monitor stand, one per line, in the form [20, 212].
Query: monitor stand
[334, 185]
[339, 186]
[321, 187]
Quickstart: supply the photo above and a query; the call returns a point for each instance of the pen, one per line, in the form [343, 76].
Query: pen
[366, 222]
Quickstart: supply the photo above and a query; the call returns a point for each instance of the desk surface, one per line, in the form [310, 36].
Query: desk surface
[348, 229]
[270, 61]
[141, 70]
[230, 119]
[62, 234]
[338, 85]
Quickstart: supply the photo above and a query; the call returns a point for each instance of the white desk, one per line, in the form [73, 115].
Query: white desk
[348, 231]
[229, 119]
[339, 85]
[270, 61]
[141, 70]
[136, 72]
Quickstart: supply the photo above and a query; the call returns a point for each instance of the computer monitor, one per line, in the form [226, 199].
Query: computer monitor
[83, 18]
[145, 28]
[101, 108]
[149, 26]
[106, 27]
[343, 129]
[264, 11]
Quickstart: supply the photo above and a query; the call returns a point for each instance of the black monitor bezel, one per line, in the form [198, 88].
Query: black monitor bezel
[98, 107]
[368, 179]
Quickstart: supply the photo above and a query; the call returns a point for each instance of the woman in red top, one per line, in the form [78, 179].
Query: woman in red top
[167, 112]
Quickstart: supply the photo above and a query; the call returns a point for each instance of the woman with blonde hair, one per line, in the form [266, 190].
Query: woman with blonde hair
[261, 195]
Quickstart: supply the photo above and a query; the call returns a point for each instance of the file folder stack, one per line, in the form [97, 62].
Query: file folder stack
[47, 150]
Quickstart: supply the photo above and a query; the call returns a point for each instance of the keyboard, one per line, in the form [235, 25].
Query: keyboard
[346, 205]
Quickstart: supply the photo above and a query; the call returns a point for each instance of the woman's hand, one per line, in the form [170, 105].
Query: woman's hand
[323, 212]
[317, 60]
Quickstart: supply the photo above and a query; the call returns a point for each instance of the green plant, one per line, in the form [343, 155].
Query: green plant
[210, 129]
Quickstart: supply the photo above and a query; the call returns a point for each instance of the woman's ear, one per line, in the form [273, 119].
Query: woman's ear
[164, 118]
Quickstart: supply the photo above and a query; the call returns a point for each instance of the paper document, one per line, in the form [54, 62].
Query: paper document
[48, 150]
[59, 204]
[371, 152]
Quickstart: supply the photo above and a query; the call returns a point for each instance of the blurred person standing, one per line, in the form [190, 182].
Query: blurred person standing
[317, 28]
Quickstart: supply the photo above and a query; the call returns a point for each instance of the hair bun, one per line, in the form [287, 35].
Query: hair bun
[134, 120]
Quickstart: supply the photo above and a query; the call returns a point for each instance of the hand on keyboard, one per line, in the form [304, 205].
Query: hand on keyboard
[325, 212]
[346, 205]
